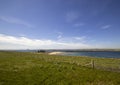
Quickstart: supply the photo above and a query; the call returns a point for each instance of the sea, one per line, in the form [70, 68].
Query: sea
[101, 54]
[106, 54]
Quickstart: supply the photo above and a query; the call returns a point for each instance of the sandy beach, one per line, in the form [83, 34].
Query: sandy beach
[55, 53]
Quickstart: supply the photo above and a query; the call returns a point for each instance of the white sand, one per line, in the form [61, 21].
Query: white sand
[55, 53]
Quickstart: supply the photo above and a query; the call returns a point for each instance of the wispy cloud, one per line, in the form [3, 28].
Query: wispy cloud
[11, 42]
[82, 38]
[72, 16]
[14, 20]
[59, 35]
[106, 27]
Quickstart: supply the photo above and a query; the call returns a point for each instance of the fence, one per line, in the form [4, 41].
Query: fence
[107, 66]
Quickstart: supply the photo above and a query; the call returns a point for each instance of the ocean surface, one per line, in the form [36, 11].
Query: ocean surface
[94, 54]
[106, 54]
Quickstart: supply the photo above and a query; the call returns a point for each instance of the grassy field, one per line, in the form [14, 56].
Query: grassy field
[18, 68]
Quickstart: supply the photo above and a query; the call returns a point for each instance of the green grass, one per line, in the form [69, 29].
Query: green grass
[18, 68]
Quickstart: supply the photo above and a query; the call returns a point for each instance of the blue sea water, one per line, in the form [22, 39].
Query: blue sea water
[102, 54]
[94, 54]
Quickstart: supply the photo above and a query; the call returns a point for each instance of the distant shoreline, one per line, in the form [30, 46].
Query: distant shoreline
[84, 50]
[102, 54]
[63, 50]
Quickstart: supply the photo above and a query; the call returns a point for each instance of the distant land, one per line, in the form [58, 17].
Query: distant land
[63, 50]
[80, 50]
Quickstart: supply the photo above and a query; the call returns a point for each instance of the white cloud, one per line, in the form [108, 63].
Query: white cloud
[82, 38]
[106, 27]
[107, 44]
[72, 16]
[11, 42]
[14, 20]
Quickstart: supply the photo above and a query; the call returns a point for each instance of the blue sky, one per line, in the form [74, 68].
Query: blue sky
[59, 24]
